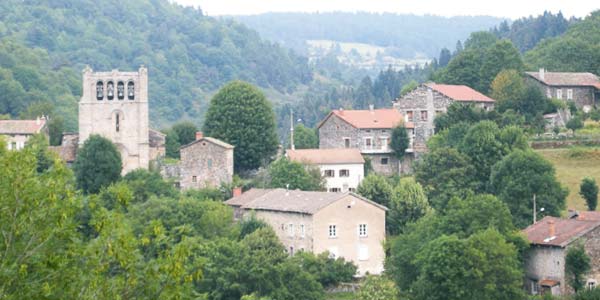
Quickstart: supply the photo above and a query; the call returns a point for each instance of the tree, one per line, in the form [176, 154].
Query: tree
[409, 87]
[327, 270]
[185, 132]
[502, 55]
[519, 176]
[577, 264]
[145, 184]
[305, 138]
[377, 288]
[575, 123]
[400, 141]
[589, 191]
[240, 114]
[483, 147]
[375, 188]
[408, 204]
[507, 88]
[98, 164]
[445, 57]
[285, 173]
[172, 144]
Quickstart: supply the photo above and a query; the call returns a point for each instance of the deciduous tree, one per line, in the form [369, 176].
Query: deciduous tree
[589, 191]
[577, 264]
[98, 164]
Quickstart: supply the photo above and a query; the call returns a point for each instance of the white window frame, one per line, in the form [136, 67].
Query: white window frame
[347, 143]
[371, 140]
[569, 94]
[548, 93]
[559, 93]
[335, 190]
[332, 231]
[591, 284]
[290, 229]
[384, 142]
[424, 113]
[302, 231]
[362, 230]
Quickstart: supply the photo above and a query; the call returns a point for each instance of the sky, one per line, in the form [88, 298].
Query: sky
[512, 9]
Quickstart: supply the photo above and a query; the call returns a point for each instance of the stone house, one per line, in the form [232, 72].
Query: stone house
[344, 224]
[205, 162]
[17, 132]
[369, 131]
[550, 238]
[343, 169]
[429, 100]
[581, 88]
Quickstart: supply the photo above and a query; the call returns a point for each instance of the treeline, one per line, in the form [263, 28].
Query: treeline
[188, 54]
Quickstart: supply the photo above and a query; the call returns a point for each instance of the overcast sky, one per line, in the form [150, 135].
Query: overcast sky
[501, 8]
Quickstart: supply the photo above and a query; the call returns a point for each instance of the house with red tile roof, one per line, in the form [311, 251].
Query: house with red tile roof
[550, 239]
[423, 104]
[583, 89]
[370, 132]
[18, 132]
[343, 169]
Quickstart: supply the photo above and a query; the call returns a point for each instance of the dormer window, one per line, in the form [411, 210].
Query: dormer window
[120, 90]
[110, 90]
[99, 90]
[130, 91]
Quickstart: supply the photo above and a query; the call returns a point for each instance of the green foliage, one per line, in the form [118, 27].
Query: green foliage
[507, 88]
[575, 123]
[145, 184]
[483, 147]
[408, 204]
[409, 87]
[98, 164]
[519, 176]
[185, 132]
[457, 113]
[526, 32]
[376, 188]
[400, 141]
[577, 264]
[38, 143]
[378, 288]
[328, 271]
[589, 191]
[587, 294]
[239, 114]
[172, 144]
[305, 138]
[207, 193]
[285, 173]
[250, 225]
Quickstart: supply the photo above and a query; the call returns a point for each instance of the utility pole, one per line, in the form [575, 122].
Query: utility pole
[292, 130]
[534, 210]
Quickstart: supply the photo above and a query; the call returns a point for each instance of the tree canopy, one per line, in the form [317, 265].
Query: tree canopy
[97, 165]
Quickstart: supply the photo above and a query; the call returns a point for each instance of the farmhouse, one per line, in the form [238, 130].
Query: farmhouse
[18, 132]
[583, 89]
[344, 224]
[205, 162]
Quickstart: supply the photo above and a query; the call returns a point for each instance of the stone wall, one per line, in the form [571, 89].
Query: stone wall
[204, 164]
[288, 227]
[583, 96]
[545, 262]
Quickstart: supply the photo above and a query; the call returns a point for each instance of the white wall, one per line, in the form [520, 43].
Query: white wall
[357, 174]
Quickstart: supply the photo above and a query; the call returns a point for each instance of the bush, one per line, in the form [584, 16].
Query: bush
[328, 271]
[575, 123]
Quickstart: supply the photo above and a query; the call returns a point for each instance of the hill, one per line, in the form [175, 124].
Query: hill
[188, 55]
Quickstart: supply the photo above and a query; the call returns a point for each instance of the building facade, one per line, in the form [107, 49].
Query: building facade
[343, 169]
[583, 89]
[429, 100]
[205, 162]
[369, 131]
[115, 105]
[17, 132]
[344, 224]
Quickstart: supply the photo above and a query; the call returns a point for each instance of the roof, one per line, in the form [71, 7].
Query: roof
[326, 156]
[585, 215]
[210, 140]
[67, 153]
[549, 282]
[306, 202]
[370, 119]
[22, 126]
[567, 79]
[459, 92]
[565, 231]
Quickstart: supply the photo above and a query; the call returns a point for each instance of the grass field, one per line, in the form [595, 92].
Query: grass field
[572, 165]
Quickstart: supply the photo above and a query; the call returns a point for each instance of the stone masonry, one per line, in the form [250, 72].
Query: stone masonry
[206, 162]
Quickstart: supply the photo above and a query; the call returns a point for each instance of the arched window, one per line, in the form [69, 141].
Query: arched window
[110, 90]
[99, 90]
[117, 123]
[130, 91]
[120, 90]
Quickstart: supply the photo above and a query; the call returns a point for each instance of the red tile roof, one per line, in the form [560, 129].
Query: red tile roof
[567, 79]
[326, 156]
[460, 92]
[371, 119]
[565, 231]
[21, 126]
[585, 215]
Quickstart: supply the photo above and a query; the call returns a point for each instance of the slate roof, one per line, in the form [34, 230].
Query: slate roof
[21, 126]
[567, 79]
[295, 201]
[326, 156]
[370, 119]
[67, 153]
[461, 93]
[565, 231]
[211, 140]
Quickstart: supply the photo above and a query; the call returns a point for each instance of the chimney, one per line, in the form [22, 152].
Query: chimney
[199, 135]
[552, 229]
[237, 191]
[542, 73]
[37, 121]
[371, 107]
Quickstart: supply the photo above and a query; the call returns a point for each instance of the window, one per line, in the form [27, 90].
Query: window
[291, 250]
[194, 178]
[120, 90]
[346, 142]
[99, 90]
[329, 173]
[352, 190]
[290, 229]
[362, 230]
[534, 287]
[368, 143]
[384, 160]
[110, 90]
[302, 232]
[332, 231]
[591, 284]
[209, 163]
[423, 115]
[409, 115]
[569, 94]
[13, 145]
[130, 91]
[559, 93]
[344, 173]
[548, 92]
[384, 143]
[117, 122]
[334, 190]
[363, 252]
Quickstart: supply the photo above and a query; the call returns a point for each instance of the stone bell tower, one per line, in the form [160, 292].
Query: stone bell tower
[115, 105]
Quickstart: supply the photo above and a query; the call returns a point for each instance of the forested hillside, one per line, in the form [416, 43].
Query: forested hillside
[188, 54]
[406, 35]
